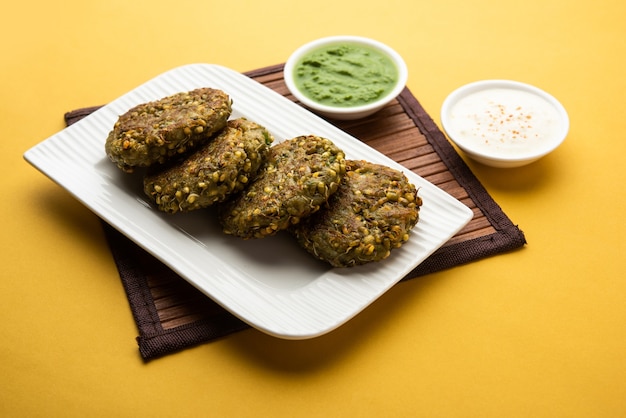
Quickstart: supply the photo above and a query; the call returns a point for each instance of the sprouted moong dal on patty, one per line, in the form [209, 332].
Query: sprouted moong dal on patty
[298, 177]
[153, 132]
[220, 167]
[342, 211]
[372, 212]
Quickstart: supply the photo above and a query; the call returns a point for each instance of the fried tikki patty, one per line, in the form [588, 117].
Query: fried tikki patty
[219, 168]
[372, 212]
[153, 132]
[299, 176]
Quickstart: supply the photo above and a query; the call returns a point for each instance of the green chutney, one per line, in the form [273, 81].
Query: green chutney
[345, 75]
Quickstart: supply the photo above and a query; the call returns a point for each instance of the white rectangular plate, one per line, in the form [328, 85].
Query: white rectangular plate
[271, 283]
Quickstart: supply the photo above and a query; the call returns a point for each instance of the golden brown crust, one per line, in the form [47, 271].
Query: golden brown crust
[299, 176]
[153, 132]
[221, 167]
[371, 213]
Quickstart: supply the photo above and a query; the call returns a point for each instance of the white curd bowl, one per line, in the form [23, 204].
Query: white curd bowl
[504, 123]
[345, 112]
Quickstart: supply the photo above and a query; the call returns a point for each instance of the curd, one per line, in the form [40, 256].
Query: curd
[506, 120]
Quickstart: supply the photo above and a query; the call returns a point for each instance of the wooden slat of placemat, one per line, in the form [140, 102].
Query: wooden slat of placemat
[172, 315]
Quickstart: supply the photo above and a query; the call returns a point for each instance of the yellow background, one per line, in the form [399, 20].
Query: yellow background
[539, 332]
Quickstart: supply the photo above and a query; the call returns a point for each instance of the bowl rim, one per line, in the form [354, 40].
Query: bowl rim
[329, 40]
[480, 85]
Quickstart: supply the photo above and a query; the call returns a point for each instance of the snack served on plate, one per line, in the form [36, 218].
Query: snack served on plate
[153, 132]
[218, 168]
[298, 177]
[344, 212]
[372, 212]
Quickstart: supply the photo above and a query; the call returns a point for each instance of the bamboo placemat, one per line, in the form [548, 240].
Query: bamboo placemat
[172, 315]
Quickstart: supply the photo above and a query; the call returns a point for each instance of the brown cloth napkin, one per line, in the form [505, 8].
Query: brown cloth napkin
[172, 315]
